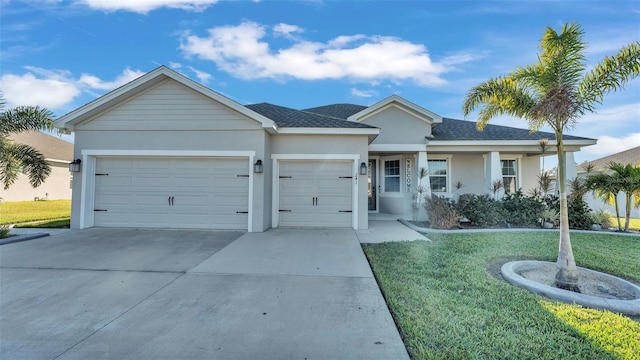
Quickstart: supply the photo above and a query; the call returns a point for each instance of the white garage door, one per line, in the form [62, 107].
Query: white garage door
[315, 193]
[172, 192]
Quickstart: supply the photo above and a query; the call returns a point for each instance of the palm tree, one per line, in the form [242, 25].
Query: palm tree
[605, 188]
[16, 157]
[627, 179]
[556, 91]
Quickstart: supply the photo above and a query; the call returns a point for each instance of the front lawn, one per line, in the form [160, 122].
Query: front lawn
[447, 306]
[31, 211]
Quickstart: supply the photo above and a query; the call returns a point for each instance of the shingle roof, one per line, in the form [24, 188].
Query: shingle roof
[340, 111]
[51, 147]
[335, 116]
[287, 117]
[452, 129]
[630, 156]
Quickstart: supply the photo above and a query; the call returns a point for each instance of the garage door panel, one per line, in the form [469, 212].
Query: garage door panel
[315, 193]
[205, 192]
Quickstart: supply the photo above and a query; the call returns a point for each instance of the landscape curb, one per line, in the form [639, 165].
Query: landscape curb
[24, 237]
[629, 307]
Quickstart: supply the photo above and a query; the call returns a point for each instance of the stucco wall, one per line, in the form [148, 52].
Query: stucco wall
[248, 140]
[325, 145]
[412, 131]
[56, 187]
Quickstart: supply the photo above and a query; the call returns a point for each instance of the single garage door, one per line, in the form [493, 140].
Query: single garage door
[210, 193]
[316, 193]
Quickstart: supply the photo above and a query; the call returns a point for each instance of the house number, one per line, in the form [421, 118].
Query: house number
[408, 170]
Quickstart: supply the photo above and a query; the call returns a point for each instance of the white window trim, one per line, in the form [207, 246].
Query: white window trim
[448, 158]
[518, 159]
[400, 192]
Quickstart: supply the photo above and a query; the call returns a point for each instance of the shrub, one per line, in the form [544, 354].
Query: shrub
[579, 214]
[442, 213]
[603, 218]
[481, 210]
[4, 231]
[521, 210]
[579, 217]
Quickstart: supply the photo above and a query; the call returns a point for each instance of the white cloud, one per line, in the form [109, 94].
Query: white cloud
[286, 30]
[175, 65]
[96, 83]
[608, 145]
[27, 89]
[144, 6]
[363, 93]
[242, 51]
[55, 89]
[204, 77]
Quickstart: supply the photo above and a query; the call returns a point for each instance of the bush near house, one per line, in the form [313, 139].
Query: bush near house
[513, 210]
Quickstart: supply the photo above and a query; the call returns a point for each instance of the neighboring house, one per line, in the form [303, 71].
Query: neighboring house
[58, 154]
[165, 151]
[631, 156]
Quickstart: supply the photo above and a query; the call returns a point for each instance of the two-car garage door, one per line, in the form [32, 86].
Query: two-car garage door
[172, 192]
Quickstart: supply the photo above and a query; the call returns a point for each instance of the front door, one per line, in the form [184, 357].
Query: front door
[372, 186]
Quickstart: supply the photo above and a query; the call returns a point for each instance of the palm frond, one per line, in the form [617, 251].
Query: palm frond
[611, 74]
[16, 156]
[23, 118]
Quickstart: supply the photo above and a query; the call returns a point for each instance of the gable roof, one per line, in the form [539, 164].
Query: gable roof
[630, 156]
[144, 82]
[53, 148]
[287, 117]
[403, 104]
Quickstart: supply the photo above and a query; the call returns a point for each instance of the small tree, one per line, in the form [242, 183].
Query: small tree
[556, 91]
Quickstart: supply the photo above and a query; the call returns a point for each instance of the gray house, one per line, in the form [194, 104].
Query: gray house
[164, 151]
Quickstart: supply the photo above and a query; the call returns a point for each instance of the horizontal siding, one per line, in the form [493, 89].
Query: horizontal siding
[170, 106]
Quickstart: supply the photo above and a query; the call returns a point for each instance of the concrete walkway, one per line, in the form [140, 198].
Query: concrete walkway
[177, 294]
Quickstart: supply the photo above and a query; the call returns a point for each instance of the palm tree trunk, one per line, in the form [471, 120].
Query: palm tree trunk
[615, 202]
[628, 212]
[567, 275]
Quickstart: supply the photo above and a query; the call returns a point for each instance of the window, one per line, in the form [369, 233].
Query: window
[509, 175]
[392, 176]
[438, 175]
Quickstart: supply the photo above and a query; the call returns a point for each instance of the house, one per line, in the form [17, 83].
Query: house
[165, 151]
[630, 156]
[58, 154]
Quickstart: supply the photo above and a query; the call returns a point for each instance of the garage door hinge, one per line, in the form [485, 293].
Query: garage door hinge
[102, 174]
[99, 209]
[242, 176]
[284, 210]
[286, 177]
[242, 212]
[345, 177]
[345, 211]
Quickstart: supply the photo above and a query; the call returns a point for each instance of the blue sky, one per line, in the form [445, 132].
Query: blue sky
[63, 54]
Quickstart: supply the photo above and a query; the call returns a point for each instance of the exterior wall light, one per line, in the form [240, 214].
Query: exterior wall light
[363, 169]
[257, 167]
[74, 166]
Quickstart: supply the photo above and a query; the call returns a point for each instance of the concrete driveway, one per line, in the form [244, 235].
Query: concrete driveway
[177, 294]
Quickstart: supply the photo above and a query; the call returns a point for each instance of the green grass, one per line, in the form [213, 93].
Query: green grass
[448, 307]
[49, 224]
[634, 223]
[31, 211]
